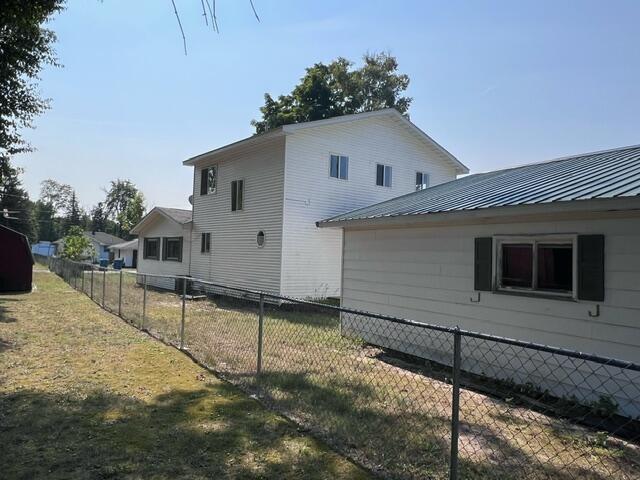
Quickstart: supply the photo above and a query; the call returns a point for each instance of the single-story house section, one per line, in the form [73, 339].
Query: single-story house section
[100, 241]
[164, 236]
[44, 248]
[16, 261]
[547, 253]
[127, 251]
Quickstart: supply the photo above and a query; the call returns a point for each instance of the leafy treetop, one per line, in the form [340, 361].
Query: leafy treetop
[337, 89]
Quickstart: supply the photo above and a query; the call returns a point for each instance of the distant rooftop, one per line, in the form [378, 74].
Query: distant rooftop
[180, 215]
[598, 175]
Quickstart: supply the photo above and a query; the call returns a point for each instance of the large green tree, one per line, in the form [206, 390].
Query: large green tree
[16, 210]
[124, 205]
[338, 89]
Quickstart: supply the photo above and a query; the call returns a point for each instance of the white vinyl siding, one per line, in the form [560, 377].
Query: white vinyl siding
[235, 259]
[311, 256]
[426, 274]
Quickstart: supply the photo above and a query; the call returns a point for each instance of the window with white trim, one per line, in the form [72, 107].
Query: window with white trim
[383, 175]
[542, 265]
[339, 167]
[422, 180]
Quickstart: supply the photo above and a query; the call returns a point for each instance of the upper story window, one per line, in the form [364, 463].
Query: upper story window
[422, 180]
[237, 195]
[208, 180]
[205, 242]
[339, 167]
[172, 249]
[151, 249]
[536, 264]
[383, 175]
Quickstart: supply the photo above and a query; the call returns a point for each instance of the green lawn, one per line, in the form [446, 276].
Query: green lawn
[84, 395]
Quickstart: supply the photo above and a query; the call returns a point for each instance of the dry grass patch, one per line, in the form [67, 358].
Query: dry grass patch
[83, 395]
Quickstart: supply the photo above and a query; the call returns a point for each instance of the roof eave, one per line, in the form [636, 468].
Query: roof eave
[571, 207]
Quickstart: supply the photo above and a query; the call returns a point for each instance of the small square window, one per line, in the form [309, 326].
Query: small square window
[383, 175]
[517, 265]
[339, 167]
[422, 180]
[172, 249]
[237, 195]
[205, 243]
[151, 249]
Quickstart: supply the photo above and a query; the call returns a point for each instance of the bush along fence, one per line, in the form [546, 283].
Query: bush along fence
[405, 399]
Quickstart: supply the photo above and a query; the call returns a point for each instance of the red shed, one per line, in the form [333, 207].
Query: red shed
[16, 261]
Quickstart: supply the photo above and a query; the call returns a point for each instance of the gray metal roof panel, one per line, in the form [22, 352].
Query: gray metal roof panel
[607, 174]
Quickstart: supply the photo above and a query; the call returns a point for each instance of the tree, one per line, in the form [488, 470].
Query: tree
[132, 214]
[56, 194]
[76, 245]
[336, 89]
[25, 48]
[15, 200]
[123, 196]
[99, 218]
[74, 214]
[47, 224]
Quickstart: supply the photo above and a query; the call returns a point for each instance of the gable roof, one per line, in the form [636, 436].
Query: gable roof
[104, 238]
[390, 113]
[598, 175]
[125, 245]
[22, 239]
[177, 215]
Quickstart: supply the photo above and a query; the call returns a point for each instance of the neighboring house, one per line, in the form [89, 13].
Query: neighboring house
[164, 236]
[127, 252]
[16, 261]
[256, 201]
[100, 241]
[44, 248]
[547, 253]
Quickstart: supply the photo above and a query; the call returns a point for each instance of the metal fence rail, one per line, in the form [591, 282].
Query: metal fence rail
[406, 399]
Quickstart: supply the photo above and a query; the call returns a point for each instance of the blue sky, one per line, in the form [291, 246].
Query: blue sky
[497, 83]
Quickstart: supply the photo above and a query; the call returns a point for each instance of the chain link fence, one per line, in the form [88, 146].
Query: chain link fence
[407, 400]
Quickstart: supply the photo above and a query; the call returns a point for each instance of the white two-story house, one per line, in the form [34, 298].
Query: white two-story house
[256, 201]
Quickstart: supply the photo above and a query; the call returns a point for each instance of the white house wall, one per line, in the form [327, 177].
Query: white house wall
[311, 256]
[235, 258]
[426, 274]
[163, 227]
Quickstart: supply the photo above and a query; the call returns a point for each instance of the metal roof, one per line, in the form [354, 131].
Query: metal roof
[598, 175]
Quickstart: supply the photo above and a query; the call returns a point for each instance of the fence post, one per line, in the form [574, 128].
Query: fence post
[91, 282]
[260, 334]
[455, 406]
[144, 302]
[184, 299]
[82, 282]
[104, 285]
[120, 295]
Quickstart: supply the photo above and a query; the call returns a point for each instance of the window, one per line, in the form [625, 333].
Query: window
[536, 264]
[339, 167]
[237, 194]
[208, 180]
[205, 243]
[422, 180]
[260, 239]
[172, 249]
[151, 249]
[383, 175]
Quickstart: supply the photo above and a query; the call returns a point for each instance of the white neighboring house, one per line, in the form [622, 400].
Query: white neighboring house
[546, 253]
[127, 251]
[256, 201]
[100, 241]
[164, 237]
